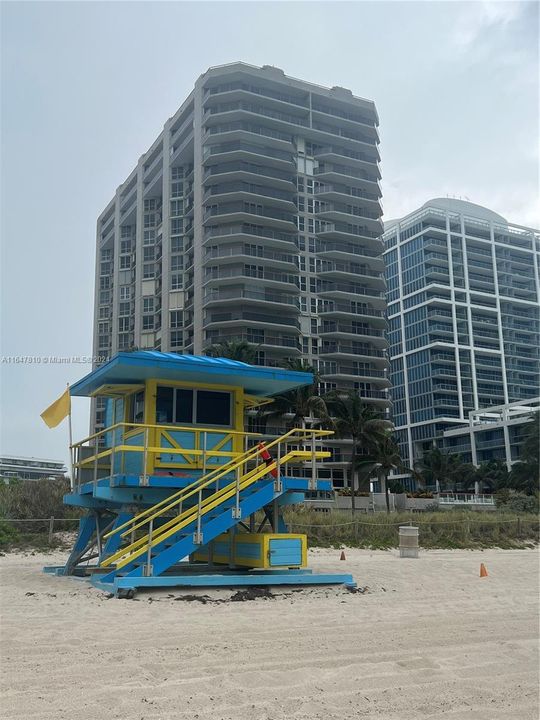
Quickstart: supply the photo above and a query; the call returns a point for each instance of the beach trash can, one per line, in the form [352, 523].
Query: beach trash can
[408, 541]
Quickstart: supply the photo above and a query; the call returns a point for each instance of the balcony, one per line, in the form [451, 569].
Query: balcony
[345, 231]
[225, 233]
[239, 89]
[356, 148]
[355, 372]
[349, 290]
[443, 372]
[277, 279]
[345, 251]
[334, 172]
[355, 350]
[445, 402]
[488, 361]
[338, 329]
[240, 108]
[479, 251]
[436, 258]
[245, 151]
[224, 131]
[338, 309]
[353, 120]
[245, 251]
[329, 269]
[444, 387]
[251, 193]
[240, 170]
[441, 327]
[343, 211]
[262, 340]
[245, 318]
[439, 312]
[434, 242]
[344, 192]
[247, 212]
[236, 295]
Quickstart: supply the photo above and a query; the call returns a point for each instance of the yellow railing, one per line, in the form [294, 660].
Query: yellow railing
[197, 457]
[244, 478]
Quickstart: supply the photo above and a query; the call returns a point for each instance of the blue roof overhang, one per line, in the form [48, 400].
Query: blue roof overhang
[136, 367]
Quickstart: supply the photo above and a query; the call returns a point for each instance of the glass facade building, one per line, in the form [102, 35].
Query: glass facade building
[255, 215]
[463, 314]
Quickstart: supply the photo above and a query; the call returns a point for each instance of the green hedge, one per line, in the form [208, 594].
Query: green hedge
[27, 499]
[436, 529]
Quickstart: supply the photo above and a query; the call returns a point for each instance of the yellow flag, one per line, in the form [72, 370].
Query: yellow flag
[59, 410]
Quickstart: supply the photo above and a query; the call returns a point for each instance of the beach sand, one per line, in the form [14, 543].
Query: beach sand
[428, 638]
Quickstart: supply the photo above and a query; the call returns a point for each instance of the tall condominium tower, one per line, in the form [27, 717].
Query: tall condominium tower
[255, 215]
[463, 311]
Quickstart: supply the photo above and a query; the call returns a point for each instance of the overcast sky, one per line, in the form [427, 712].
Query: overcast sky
[86, 88]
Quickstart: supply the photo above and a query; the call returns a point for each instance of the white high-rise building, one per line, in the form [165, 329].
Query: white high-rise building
[463, 311]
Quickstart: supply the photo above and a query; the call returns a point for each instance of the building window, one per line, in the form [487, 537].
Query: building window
[176, 319]
[148, 304]
[176, 339]
[176, 281]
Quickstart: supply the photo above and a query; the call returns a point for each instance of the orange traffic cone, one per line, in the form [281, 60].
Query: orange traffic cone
[483, 571]
[342, 556]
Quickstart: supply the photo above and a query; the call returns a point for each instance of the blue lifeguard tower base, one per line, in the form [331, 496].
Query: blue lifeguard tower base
[175, 492]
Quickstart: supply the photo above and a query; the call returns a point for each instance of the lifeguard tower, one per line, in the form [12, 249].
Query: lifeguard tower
[175, 492]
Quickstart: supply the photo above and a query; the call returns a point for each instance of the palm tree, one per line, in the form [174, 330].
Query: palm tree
[387, 456]
[233, 350]
[525, 473]
[493, 473]
[438, 467]
[352, 418]
[303, 403]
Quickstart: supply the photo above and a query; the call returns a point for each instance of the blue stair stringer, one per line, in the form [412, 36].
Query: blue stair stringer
[165, 555]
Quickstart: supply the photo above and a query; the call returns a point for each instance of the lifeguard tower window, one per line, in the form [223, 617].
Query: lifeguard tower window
[136, 412]
[192, 407]
[213, 408]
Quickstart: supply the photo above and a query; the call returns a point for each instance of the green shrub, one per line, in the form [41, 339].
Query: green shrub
[436, 529]
[517, 502]
[8, 534]
[28, 499]
[347, 492]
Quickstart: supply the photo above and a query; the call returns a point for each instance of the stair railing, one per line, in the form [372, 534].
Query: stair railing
[159, 509]
[176, 524]
[203, 482]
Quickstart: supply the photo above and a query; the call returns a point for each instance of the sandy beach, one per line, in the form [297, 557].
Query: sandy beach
[427, 639]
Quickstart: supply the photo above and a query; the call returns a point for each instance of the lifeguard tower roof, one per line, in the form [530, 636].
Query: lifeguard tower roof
[135, 367]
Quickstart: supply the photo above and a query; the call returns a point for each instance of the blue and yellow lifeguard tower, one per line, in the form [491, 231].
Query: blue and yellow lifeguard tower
[175, 492]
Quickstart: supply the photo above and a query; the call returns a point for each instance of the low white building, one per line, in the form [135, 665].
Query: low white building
[29, 468]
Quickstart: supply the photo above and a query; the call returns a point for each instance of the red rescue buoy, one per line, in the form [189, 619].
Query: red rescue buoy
[263, 452]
